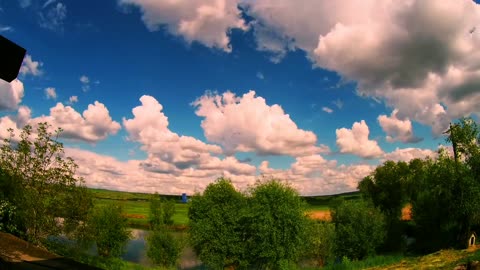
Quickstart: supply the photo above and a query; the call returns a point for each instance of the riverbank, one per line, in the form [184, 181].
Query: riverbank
[16, 253]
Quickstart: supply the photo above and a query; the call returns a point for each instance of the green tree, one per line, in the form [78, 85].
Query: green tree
[156, 213]
[263, 229]
[216, 229]
[277, 225]
[168, 211]
[387, 188]
[161, 211]
[321, 247]
[40, 181]
[360, 229]
[445, 205]
[163, 248]
[107, 227]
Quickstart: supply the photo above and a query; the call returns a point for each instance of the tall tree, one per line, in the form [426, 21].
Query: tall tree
[387, 188]
[44, 182]
[216, 232]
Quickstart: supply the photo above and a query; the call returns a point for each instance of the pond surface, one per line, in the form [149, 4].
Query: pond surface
[136, 250]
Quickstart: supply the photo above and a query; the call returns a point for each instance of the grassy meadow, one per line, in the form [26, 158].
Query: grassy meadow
[136, 206]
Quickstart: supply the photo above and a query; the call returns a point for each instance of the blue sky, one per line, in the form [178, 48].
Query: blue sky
[327, 66]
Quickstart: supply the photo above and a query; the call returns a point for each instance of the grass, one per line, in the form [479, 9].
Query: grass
[137, 206]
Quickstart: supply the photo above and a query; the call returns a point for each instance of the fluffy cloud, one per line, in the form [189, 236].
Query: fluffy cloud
[396, 129]
[50, 93]
[30, 67]
[313, 175]
[248, 124]
[310, 175]
[407, 154]
[355, 141]
[11, 94]
[93, 125]
[207, 21]
[392, 50]
[145, 175]
[150, 128]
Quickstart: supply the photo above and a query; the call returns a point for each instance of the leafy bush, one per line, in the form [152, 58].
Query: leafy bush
[161, 211]
[108, 228]
[264, 229]
[360, 229]
[163, 248]
[216, 231]
[7, 217]
[321, 245]
[168, 212]
[276, 225]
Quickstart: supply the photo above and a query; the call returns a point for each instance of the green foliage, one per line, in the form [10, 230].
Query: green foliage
[7, 217]
[277, 225]
[445, 205]
[40, 181]
[108, 228]
[168, 212]
[163, 248]
[156, 216]
[387, 188]
[161, 211]
[216, 232]
[360, 229]
[266, 229]
[321, 247]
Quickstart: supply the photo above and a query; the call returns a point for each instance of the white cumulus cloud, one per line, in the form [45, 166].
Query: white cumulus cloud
[249, 124]
[207, 22]
[396, 129]
[11, 94]
[355, 141]
[30, 67]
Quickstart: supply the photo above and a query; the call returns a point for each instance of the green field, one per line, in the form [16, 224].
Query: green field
[136, 205]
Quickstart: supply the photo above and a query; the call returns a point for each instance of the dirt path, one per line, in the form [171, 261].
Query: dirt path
[16, 253]
[326, 215]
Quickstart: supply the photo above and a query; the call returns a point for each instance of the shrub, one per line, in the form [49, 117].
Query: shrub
[321, 245]
[163, 248]
[277, 225]
[107, 227]
[216, 231]
[360, 229]
[161, 211]
[266, 229]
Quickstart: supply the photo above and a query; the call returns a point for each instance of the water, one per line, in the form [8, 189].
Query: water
[136, 250]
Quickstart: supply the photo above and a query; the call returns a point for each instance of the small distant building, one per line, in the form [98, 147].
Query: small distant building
[184, 198]
[472, 239]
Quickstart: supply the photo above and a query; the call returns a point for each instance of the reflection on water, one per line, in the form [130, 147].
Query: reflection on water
[136, 250]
